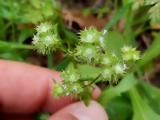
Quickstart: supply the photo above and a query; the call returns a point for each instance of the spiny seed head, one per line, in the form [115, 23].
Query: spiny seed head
[44, 27]
[87, 53]
[107, 73]
[130, 54]
[35, 39]
[46, 43]
[119, 68]
[108, 59]
[57, 90]
[70, 74]
[75, 88]
[90, 35]
[46, 40]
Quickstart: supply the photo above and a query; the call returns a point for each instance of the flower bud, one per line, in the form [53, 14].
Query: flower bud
[107, 74]
[44, 27]
[130, 54]
[87, 53]
[46, 40]
[75, 88]
[90, 35]
[119, 68]
[46, 43]
[108, 59]
[70, 75]
[57, 90]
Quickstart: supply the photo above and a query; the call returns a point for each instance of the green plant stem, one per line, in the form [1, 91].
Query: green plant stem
[13, 32]
[15, 46]
[94, 81]
[50, 61]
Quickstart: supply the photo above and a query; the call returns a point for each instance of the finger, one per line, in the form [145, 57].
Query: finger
[78, 111]
[26, 88]
[15, 117]
[53, 105]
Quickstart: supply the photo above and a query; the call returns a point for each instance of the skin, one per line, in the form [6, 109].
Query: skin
[26, 89]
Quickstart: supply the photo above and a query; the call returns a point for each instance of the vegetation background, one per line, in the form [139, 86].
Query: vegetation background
[129, 22]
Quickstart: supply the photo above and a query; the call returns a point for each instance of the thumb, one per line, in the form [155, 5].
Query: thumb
[78, 111]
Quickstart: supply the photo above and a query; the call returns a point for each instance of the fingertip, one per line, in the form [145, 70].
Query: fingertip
[81, 112]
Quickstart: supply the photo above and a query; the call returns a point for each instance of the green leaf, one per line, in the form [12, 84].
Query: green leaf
[152, 52]
[63, 64]
[116, 17]
[119, 109]
[125, 84]
[87, 71]
[152, 95]
[114, 42]
[11, 55]
[142, 111]
[11, 45]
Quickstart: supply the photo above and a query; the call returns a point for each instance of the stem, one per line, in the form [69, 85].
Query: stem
[95, 80]
[16, 46]
[50, 61]
[13, 32]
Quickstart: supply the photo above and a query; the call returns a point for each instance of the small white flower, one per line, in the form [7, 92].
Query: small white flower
[126, 48]
[75, 88]
[74, 77]
[119, 68]
[89, 53]
[48, 40]
[64, 87]
[105, 32]
[89, 38]
[35, 39]
[43, 27]
[129, 53]
[107, 73]
[102, 42]
[90, 35]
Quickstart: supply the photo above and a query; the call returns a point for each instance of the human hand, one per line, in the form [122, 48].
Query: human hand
[26, 89]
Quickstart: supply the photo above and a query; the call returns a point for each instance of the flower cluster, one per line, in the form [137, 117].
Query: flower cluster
[91, 50]
[70, 85]
[130, 54]
[90, 46]
[46, 39]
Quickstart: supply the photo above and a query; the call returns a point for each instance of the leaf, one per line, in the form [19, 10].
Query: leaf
[152, 52]
[87, 71]
[11, 56]
[141, 109]
[119, 109]
[114, 42]
[152, 95]
[63, 64]
[116, 17]
[125, 84]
